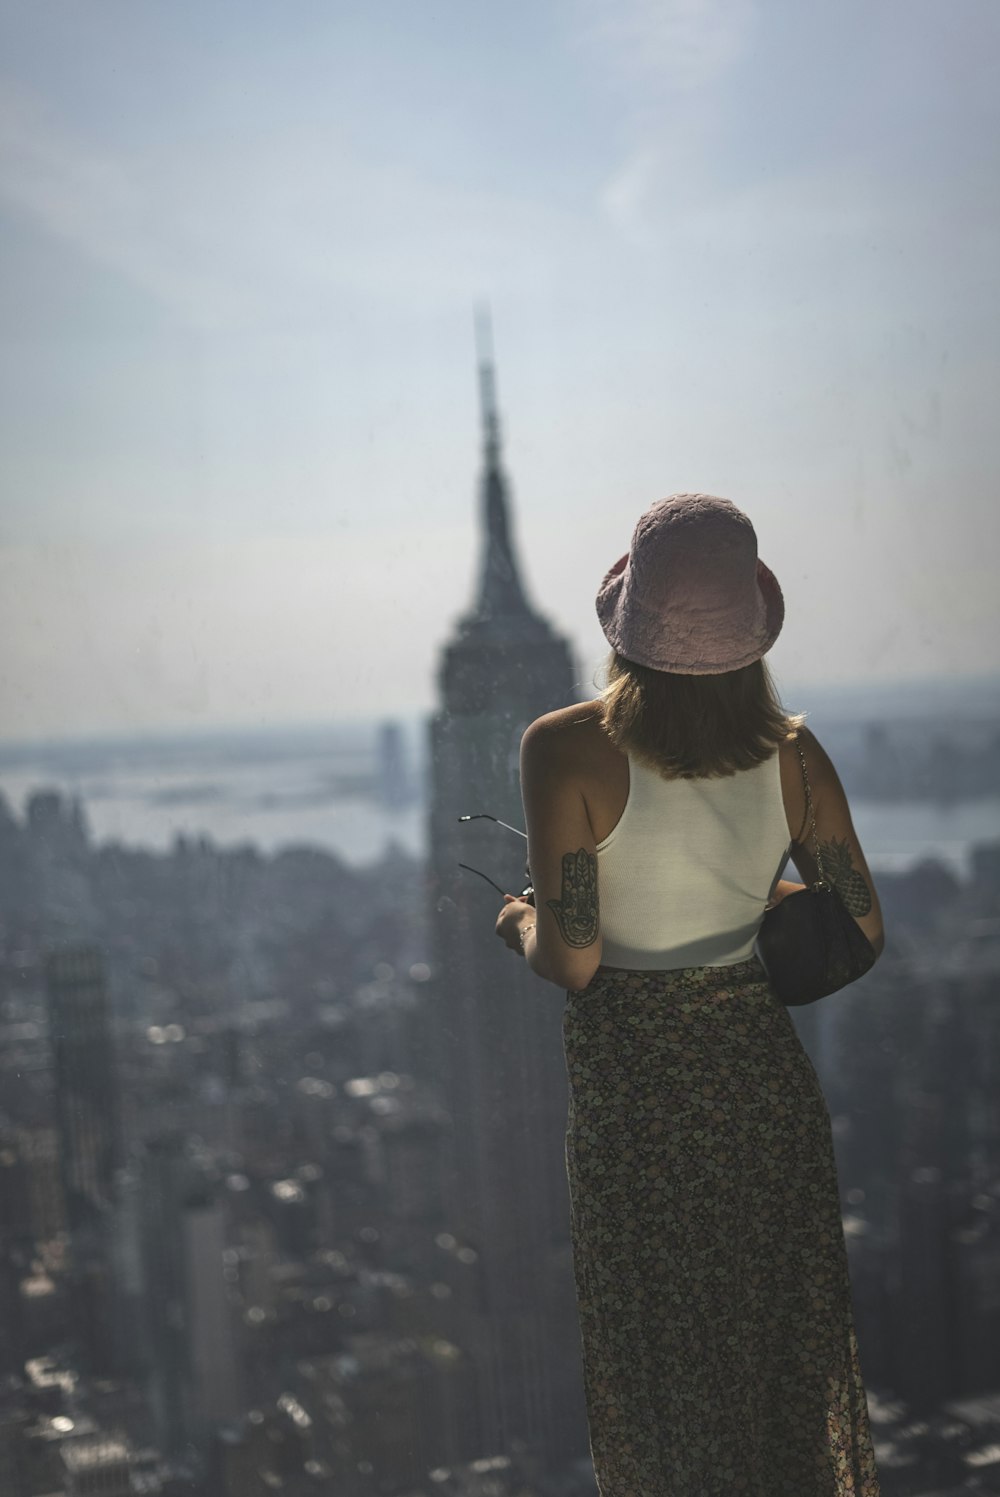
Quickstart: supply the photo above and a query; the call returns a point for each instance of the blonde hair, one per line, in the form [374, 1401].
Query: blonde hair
[694, 727]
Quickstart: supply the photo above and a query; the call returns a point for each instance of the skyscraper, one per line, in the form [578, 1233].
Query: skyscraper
[190, 1327]
[87, 1124]
[86, 1083]
[495, 1049]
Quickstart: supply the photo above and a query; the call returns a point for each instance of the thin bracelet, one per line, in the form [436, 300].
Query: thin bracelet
[522, 933]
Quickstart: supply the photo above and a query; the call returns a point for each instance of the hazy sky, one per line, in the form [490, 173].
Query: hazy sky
[746, 248]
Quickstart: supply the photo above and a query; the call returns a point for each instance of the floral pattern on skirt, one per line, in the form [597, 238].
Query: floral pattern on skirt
[716, 1316]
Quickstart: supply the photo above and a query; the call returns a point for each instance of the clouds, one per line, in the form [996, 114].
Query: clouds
[668, 64]
[271, 206]
[100, 205]
[226, 237]
[668, 46]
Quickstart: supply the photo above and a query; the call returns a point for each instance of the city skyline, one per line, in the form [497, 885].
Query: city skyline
[334, 1251]
[726, 248]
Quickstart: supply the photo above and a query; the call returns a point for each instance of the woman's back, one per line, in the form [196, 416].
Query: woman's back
[686, 872]
[714, 845]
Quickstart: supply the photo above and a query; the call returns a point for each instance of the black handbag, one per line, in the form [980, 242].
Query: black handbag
[809, 943]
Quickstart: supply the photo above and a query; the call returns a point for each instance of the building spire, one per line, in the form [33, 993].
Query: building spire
[487, 387]
[500, 590]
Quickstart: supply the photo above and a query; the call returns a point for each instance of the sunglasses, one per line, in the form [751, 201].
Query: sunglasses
[528, 894]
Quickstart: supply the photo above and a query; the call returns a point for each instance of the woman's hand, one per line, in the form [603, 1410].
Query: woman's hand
[515, 914]
[782, 889]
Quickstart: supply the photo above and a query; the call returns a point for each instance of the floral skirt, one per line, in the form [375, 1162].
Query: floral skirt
[716, 1317]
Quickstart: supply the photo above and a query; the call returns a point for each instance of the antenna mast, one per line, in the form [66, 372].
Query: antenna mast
[487, 382]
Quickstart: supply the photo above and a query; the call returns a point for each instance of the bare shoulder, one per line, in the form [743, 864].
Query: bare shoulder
[571, 734]
[577, 721]
[819, 765]
[824, 782]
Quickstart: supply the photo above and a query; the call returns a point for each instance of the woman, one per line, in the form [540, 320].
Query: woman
[716, 1316]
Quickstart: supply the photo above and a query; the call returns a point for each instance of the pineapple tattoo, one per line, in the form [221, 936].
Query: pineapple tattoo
[845, 878]
[576, 911]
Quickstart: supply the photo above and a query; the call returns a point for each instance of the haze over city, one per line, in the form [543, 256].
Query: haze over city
[749, 249]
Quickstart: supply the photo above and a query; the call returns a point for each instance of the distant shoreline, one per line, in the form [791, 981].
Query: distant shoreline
[842, 701]
[925, 783]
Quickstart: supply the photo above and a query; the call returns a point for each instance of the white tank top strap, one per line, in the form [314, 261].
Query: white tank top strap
[685, 874]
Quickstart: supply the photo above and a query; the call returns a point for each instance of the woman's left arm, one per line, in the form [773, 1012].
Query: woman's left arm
[560, 936]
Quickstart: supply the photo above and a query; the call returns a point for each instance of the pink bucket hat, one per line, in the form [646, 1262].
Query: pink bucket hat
[691, 596]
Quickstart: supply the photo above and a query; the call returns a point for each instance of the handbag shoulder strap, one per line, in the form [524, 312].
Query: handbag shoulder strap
[812, 814]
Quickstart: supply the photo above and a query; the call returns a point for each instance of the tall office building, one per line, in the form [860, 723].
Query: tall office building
[87, 1125]
[394, 784]
[495, 1040]
[191, 1342]
[86, 1084]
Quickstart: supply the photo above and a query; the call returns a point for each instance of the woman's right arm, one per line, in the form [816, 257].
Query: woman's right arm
[844, 862]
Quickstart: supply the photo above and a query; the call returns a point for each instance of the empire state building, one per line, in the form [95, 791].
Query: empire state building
[496, 1046]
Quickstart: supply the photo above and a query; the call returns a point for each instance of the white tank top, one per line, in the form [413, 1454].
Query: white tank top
[684, 876]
